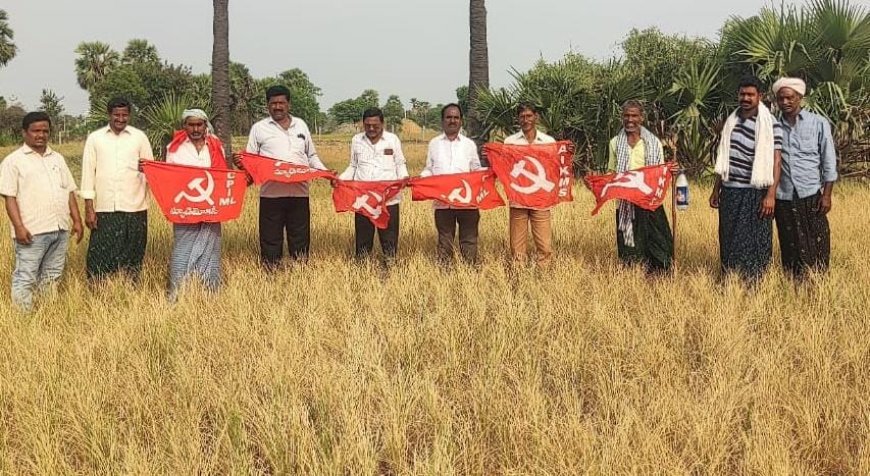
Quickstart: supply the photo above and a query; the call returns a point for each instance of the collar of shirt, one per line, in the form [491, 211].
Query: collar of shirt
[26, 150]
[187, 154]
[801, 116]
[741, 119]
[126, 129]
[289, 128]
[444, 137]
[536, 139]
[367, 141]
[521, 138]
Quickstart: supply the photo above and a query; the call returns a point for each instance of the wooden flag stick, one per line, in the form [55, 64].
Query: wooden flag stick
[674, 203]
[674, 218]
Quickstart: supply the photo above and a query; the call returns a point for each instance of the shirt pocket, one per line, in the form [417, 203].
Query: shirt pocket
[808, 140]
[387, 162]
[297, 148]
[59, 176]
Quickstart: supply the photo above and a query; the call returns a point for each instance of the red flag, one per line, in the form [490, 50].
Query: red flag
[193, 194]
[645, 187]
[536, 176]
[366, 198]
[463, 190]
[266, 169]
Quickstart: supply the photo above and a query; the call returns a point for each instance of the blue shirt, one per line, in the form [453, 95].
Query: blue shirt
[742, 154]
[809, 158]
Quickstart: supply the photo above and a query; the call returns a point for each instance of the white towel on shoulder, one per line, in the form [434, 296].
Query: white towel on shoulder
[762, 165]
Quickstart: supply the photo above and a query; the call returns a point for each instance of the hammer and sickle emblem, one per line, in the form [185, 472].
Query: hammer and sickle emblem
[362, 203]
[538, 177]
[630, 179]
[457, 196]
[204, 194]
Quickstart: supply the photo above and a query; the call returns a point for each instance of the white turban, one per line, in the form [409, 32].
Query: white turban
[197, 113]
[796, 84]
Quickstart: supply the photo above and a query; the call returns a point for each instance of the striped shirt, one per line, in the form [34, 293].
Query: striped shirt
[742, 154]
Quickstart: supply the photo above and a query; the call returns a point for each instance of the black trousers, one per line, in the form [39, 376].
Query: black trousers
[277, 216]
[364, 234]
[446, 221]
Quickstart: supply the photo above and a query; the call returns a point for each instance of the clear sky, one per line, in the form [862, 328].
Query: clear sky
[413, 48]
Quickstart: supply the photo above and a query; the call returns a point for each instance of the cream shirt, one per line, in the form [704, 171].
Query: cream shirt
[382, 160]
[110, 170]
[447, 156]
[520, 139]
[41, 185]
[293, 145]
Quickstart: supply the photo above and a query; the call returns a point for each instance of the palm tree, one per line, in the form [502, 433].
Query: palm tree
[220, 74]
[7, 47]
[478, 67]
[95, 61]
[139, 51]
[699, 107]
[827, 44]
[160, 118]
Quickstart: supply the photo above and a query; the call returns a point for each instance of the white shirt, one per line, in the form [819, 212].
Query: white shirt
[41, 185]
[110, 170]
[447, 156]
[382, 160]
[186, 154]
[293, 145]
[520, 139]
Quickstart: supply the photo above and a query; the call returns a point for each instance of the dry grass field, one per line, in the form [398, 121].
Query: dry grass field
[336, 368]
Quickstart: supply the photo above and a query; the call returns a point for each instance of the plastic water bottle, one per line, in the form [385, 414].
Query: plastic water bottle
[682, 192]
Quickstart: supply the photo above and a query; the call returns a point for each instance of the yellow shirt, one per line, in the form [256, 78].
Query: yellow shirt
[110, 170]
[636, 159]
[41, 185]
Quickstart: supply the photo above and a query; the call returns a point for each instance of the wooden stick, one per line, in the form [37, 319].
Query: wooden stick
[674, 203]
[674, 218]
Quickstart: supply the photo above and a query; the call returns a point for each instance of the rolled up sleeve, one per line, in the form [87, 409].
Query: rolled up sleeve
[401, 163]
[8, 178]
[350, 171]
[311, 151]
[89, 170]
[829, 154]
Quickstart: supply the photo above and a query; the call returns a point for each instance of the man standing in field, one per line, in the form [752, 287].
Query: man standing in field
[453, 153]
[39, 192]
[748, 169]
[541, 220]
[376, 155]
[116, 194]
[809, 170]
[642, 236]
[283, 207]
[196, 247]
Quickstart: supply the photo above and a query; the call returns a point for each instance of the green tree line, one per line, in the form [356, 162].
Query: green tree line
[689, 84]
